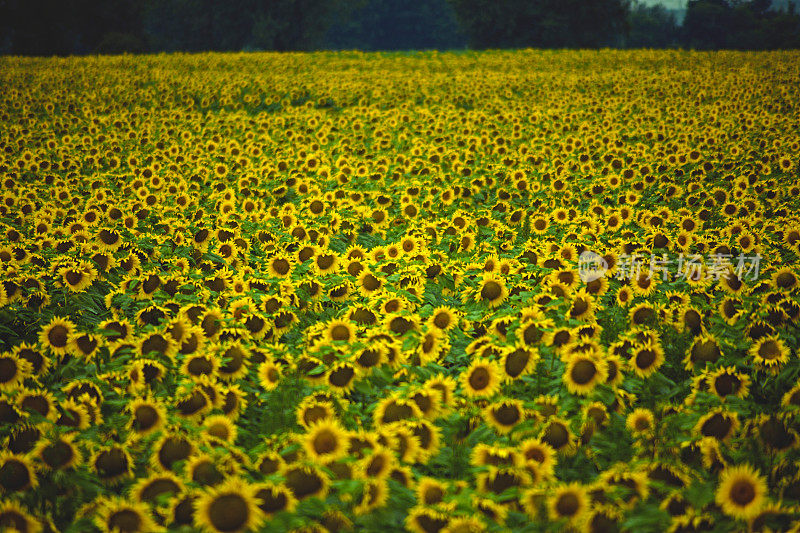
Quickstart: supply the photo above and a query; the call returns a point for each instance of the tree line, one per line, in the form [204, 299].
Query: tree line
[62, 27]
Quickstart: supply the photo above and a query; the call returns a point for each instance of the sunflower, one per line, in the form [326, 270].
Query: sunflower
[269, 375]
[234, 361]
[325, 440]
[40, 401]
[368, 284]
[325, 262]
[769, 352]
[340, 331]
[445, 386]
[147, 415]
[493, 455]
[274, 498]
[504, 415]
[443, 318]
[741, 492]
[108, 240]
[155, 488]
[341, 376]
[13, 371]
[306, 481]
[229, 507]
[17, 472]
[584, 372]
[432, 344]
[568, 502]
[624, 296]
[792, 397]
[705, 349]
[206, 470]
[428, 400]
[582, 307]
[155, 345]
[59, 453]
[640, 422]
[784, 279]
[718, 424]
[726, 381]
[429, 436]
[541, 453]
[280, 266]
[557, 434]
[112, 464]
[182, 509]
[116, 514]
[421, 519]
[646, 359]
[481, 379]
[519, 360]
[220, 427]
[56, 334]
[430, 491]
[492, 291]
[116, 329]
[375, 495]
[14, 516]
[78, 277]
[776, 432]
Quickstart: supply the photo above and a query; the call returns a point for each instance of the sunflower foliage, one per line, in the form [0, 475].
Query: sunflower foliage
[347, 292]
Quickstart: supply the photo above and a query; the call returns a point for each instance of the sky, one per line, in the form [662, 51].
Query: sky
[671, 4]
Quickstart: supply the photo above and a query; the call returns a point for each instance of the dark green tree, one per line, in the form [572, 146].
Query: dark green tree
[398, 25]
[751, 25]
[542, 23]
[651, 26]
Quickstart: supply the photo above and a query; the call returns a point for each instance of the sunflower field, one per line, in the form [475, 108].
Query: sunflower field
[351, 292]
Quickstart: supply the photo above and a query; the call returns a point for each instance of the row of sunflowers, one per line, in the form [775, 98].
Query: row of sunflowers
[431, 292]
